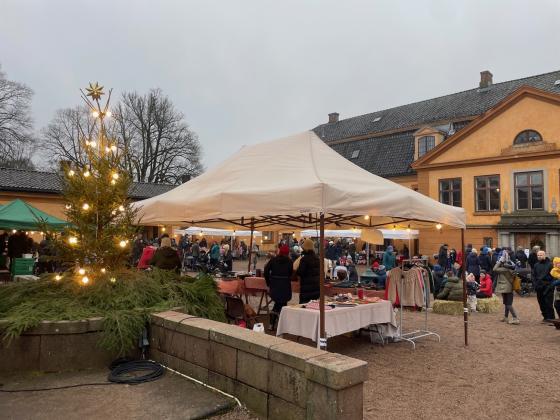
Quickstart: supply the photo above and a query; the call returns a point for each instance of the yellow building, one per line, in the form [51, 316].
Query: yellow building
[43, 190]
[492, 150]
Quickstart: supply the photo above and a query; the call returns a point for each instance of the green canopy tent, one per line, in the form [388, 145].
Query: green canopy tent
[18, 214]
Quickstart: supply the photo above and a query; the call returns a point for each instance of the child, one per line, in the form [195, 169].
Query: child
[555, 273]
[472, 289]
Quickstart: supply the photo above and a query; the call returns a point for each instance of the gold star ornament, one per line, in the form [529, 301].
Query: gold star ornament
[95, 91]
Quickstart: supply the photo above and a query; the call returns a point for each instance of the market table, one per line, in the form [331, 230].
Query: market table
[231, 287]
[333, 291]
[304, 322]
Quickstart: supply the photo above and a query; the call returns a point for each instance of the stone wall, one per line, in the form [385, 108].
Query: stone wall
[273, 377]
[55, 346]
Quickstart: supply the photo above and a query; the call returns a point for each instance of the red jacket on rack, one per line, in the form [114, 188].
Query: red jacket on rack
[486, 286]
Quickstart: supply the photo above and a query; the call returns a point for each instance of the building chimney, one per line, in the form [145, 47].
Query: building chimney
[333, 117]
[185, 178]
[485, 79]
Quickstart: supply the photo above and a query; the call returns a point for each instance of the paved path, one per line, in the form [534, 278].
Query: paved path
[171, 397]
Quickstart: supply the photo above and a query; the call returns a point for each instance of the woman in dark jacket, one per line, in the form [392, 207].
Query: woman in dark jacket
[473, 265]
[166, 258]
[308, 272]
[278, 274]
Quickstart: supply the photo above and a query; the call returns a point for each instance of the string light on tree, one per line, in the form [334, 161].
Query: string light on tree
[58, 277]
[87, 174]
[85, 280]
[72, 240]
[103, 270]
[81, 271]
[112, 279]
[85, 207]
[68, 206]
[121, 208]
[122, 244]
[71, 172]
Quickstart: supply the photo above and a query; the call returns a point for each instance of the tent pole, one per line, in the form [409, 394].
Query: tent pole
[322, 336]
[367, 254]
[251, 244]
[464, 276]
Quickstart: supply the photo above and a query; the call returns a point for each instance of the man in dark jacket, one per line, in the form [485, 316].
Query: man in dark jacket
[166, 258]
[485, 261]
[278, 274]
[443, 259]
[308, 272]
[542, 281]
[532, 260]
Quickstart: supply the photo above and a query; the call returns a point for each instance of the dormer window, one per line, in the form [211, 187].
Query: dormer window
[527, 137]
[425, 144]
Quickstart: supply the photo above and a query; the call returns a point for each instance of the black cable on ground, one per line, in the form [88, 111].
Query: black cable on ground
[122, 373]
[57, 387]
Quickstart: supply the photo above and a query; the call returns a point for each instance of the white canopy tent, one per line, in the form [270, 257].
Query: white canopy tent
[295, 182]
[195, 230]
[359, 233]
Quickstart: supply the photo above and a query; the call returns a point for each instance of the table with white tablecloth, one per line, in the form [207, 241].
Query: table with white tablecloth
[304, 322]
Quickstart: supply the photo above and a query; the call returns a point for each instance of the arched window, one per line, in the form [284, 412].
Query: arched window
[527, 136]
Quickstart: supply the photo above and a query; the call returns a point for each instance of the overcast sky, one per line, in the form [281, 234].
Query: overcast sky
[248, 71]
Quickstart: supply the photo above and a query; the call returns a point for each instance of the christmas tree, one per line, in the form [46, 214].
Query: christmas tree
[97, 207]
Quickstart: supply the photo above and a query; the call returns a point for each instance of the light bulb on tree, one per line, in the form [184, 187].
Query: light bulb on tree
[87, 174]
[113, 280]
[85, 280]
[113, 148]
[115, 176]
[103, 271]
[95, 114]
[113, 182]
[109, 114]
[72, 240]
[85, 207]
[122, 244]
[71, 172]
[58, 277]
[68, 206]
[121, 208]
[81, 271]
[92, 144]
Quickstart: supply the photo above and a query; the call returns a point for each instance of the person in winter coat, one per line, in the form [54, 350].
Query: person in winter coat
[485, 286]
[485, 261]
[504, 285]
[278, 273]
[542, 280]
[438, 280]
[520, 257]
[453, 289]
[389, 260]
[532, 260]
[443, 259]
[166, 258]
[473, 264]
[352, 272]
[308, 272]
[228, 258]
[555, 273]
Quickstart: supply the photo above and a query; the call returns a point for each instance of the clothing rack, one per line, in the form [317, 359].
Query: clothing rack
[412, 336]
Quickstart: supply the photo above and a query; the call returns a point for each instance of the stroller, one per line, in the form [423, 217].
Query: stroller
[526, 282]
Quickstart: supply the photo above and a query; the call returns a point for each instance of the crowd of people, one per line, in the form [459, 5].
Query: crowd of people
[499, 271]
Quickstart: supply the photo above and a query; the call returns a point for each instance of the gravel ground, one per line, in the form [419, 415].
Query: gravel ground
[506, 372]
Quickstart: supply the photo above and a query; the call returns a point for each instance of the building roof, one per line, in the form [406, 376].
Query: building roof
[391, 155]
[23, 180]
[459, 105]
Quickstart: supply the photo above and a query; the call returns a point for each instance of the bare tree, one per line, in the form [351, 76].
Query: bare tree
[158, 144]
[62, 137]
[20, 157]
[15, 117]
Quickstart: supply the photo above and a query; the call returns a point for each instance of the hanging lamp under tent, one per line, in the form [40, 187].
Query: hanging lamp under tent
[296, 182]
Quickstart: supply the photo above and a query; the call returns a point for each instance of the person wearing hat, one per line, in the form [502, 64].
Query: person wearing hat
[389, 260]
[352, 272]
[308, 272]
[484, 260]
[166, 258]
[504, 285]
[330, 254]
[278, 274]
